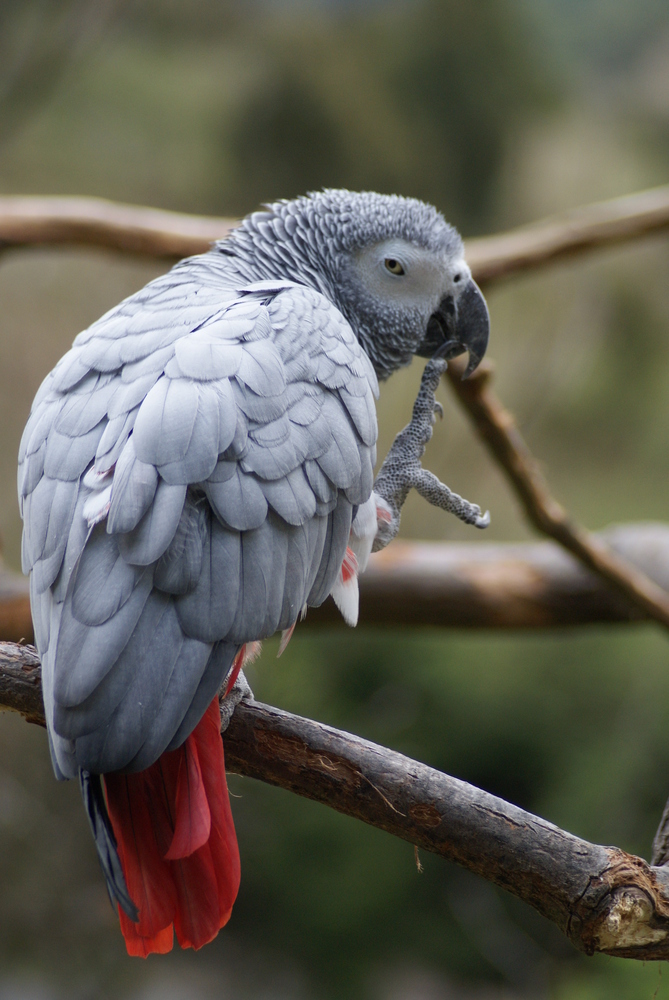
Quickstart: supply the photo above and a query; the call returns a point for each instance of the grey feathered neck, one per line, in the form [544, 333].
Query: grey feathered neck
[310, 240]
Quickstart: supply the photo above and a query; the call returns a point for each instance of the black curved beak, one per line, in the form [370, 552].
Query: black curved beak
[454, 329]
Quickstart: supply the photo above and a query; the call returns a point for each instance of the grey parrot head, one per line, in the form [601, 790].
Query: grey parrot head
[393, 265]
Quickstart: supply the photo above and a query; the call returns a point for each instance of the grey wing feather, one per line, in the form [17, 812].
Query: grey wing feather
[212, 411]
[133, 489]
[68, 458]
[208, 610]
[179, 567]
[218, 666]
[238, 500]
[155, 650]
[103, 582]
[146, 543]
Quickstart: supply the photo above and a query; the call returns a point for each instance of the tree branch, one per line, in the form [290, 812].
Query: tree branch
[580, 230]
[478, 585]
[602, 898]
[498, 429]
[46, 221]
[49, 221]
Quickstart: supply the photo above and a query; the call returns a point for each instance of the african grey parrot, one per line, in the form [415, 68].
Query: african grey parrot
[195, 473]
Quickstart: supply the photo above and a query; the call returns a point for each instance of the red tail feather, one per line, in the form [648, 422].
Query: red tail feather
[177, 843]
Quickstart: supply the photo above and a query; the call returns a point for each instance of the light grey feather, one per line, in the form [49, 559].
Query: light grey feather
[205, 357]
[313, 440]
[128, 395]
[261, 581]
[261, 369]
[68, 372]
[84, 654]
[66, 457]
[179, 567]
[30, 472]
[361, 488]
[48, 513]
[156, 654]
[341, 462]
[362, 412]
[76, 540]
[223, 471]
[218, 665]
[255, 407]
[201, 455]
[165, 421]
[238, 501]
[207, 612]
[133, 489]
[81, 412]
[334, 549]
[153, 364]
[146, 543]
[113, 440]
[325, 490]
[306, 409]
[103, 581]
[305, 551]
[291, 497]
[181, 690]
[271, 434]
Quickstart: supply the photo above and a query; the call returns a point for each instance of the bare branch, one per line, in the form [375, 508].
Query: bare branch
[45, 221]
[37, 221]
[602, 898]
[481, 585]
[498, 429]
[604, 223]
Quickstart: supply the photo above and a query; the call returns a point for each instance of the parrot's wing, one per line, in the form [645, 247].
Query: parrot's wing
[188, 478]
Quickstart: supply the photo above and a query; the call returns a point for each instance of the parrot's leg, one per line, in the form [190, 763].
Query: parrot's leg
[237, 687]
[401, 471]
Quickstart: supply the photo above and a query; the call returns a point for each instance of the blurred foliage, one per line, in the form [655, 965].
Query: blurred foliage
[499, 112]
[421, 101]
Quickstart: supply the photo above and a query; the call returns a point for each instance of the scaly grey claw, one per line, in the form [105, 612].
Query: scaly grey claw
[241, 691]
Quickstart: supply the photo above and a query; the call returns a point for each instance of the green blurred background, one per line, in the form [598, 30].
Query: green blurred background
[499, 112]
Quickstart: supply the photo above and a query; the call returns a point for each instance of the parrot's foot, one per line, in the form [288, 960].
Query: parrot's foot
[240, 691]
[401, 471]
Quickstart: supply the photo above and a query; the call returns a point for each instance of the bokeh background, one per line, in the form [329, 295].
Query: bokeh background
[499, 112]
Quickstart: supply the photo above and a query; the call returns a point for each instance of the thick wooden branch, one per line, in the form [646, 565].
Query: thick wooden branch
[497, 428]
[600, 897]
[478, 585]
[47, 221]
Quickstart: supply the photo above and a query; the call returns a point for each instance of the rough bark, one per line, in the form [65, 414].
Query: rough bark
[600, 897]
[480, 585]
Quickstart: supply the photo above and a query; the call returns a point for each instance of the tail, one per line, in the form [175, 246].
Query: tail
[177, 844]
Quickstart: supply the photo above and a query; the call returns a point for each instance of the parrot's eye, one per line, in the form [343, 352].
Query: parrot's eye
[456, 278]
[393, 266]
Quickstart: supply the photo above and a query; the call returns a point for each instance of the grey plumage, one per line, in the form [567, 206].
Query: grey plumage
[191, 468]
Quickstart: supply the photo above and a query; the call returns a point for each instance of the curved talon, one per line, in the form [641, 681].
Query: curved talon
[483, 520]
[439, 410]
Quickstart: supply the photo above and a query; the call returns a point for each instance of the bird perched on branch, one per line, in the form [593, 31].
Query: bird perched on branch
[195, 473]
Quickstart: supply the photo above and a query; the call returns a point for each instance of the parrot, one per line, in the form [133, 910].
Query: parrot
[195, 473]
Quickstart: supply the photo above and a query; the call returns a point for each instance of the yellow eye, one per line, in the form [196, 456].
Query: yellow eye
[393, 266]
